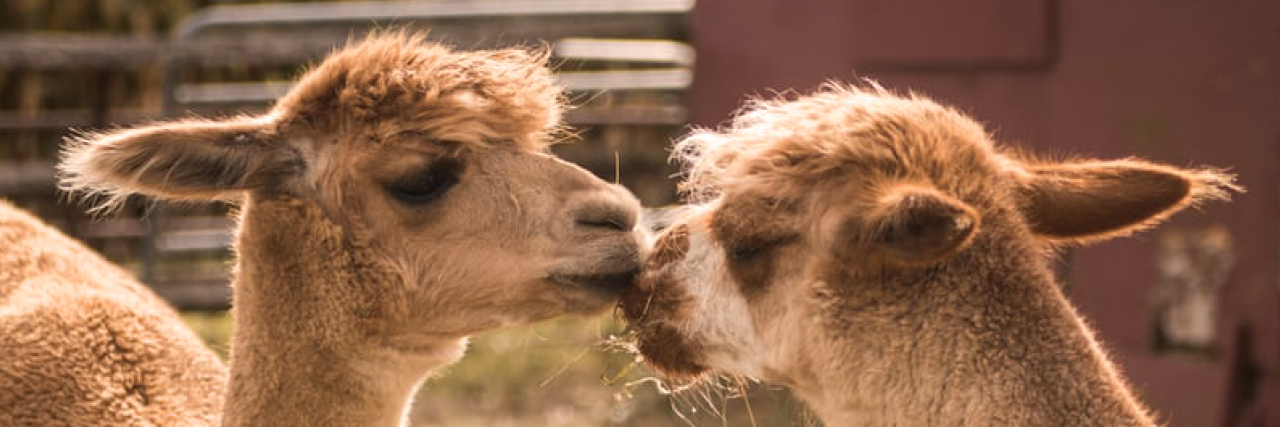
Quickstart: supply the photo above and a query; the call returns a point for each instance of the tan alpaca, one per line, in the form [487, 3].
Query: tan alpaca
[82, 343]
[885, 260]
[397, 200]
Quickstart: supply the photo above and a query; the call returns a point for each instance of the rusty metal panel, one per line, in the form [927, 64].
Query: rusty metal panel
[811, 41]
[991, 33]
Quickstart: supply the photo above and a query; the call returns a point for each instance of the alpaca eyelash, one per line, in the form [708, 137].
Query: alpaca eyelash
[427, 185]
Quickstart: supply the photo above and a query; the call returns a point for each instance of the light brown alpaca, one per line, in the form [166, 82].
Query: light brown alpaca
[83, 343]
[885, 260]
[397, 200]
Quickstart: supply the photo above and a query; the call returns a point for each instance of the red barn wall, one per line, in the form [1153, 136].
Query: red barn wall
[1184, 82]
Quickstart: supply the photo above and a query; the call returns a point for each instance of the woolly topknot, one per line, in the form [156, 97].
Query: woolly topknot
[776, 141]
[493, 96]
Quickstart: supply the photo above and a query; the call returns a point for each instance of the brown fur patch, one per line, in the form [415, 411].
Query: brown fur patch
[750, 229]
[671, 353]
[658, 295]
[671, 247]
[658, 301]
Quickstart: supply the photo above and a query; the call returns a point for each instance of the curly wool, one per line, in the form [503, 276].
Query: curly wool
[85, 344]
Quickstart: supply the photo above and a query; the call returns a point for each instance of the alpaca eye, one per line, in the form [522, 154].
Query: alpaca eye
[426, 185]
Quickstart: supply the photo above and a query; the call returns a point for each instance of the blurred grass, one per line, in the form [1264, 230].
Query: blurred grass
[559, 373]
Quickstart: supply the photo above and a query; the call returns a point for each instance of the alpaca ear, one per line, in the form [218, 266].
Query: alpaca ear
[1098, 200]
[189, 160]
[916, 225]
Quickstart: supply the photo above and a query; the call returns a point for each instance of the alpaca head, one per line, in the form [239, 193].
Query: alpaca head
[805, 204]
[428, 162]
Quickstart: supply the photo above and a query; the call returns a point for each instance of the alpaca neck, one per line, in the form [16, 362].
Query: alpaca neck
[304, 352]
[300, 385]
[990, 341]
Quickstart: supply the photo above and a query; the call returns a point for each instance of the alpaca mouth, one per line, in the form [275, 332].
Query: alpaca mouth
[672, 354]
[612, 284]
[654, 308]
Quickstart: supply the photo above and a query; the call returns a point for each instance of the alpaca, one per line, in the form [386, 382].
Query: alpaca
[885, 260]
[398, 199]
[83, 343]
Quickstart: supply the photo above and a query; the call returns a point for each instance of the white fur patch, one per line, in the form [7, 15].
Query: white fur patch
[721, 318]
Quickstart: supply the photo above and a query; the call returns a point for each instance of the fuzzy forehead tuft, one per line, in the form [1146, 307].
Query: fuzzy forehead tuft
[781, 143]
[402, 83]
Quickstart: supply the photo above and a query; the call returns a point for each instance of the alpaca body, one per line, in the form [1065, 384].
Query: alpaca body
[83, 343]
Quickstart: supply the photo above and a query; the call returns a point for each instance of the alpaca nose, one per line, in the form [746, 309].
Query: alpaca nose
[612, 211]
[610, 217]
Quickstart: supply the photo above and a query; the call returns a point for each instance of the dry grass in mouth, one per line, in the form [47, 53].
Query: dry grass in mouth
[710, 395]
